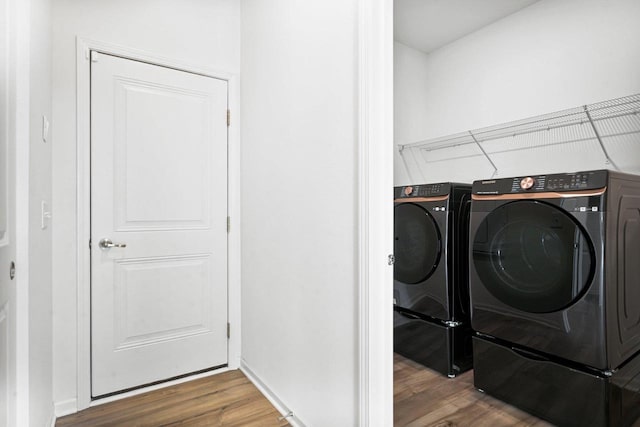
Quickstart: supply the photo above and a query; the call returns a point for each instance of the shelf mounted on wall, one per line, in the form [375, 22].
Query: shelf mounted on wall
[600, 135]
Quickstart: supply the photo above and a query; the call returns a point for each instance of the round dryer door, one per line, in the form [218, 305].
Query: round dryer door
[417, 244]
[533, 256]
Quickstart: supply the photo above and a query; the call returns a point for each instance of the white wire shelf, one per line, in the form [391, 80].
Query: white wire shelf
[604, 134]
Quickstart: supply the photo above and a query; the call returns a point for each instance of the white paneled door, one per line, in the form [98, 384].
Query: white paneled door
[158, 223]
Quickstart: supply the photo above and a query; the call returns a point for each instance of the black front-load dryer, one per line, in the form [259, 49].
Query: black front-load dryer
[555, 265]
[431, 298]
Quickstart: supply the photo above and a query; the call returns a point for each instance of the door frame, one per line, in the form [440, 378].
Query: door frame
[18, 134]
[375, 212]
[84, 46]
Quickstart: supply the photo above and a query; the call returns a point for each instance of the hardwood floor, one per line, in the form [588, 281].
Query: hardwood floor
[422, 398]
[425, 398]
[227, 399]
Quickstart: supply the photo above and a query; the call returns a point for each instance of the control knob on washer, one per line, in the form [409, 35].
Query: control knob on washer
[527, 183]
[408, 191]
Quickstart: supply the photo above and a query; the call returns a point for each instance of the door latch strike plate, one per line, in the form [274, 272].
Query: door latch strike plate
[12, 270]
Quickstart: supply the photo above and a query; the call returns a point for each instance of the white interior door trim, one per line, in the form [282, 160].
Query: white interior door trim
[20, 128]
[83, 48]
[375, 187]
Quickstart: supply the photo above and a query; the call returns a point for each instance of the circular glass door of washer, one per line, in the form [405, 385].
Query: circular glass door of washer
[417, 244]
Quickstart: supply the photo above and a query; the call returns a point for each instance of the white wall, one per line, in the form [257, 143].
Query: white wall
[200, 33]
[40, 244]
[553, 55]
[299, 205]
[28, 30]
[410, 102]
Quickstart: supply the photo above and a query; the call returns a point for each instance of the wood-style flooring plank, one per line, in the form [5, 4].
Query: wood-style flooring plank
[228, 399]
[422, 398]
[425, 398]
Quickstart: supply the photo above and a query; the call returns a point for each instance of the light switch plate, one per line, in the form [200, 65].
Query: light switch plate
[45, 128]
[46, 215]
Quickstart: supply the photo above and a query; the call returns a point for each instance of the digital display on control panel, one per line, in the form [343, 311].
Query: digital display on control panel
[430, 190]
[568, 182]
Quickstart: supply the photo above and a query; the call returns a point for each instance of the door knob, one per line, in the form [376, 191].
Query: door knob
[107, 243]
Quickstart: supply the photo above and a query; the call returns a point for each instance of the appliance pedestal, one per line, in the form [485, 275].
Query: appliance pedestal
[554, 390]
[446, 349]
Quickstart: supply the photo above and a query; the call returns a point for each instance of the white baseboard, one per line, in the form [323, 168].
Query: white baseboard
[271, 397]
[66, 407]
[52, 423]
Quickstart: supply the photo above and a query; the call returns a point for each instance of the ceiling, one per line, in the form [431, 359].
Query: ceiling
[427, 25]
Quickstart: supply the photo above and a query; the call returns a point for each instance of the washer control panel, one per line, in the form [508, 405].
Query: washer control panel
[423, 190]
[543, 183]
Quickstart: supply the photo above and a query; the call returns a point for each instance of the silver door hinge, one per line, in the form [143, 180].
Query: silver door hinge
[228, 330]
[228, 117]
[391, 260]
[228, 224]
[89, 244]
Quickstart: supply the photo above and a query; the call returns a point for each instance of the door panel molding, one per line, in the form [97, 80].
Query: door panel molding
[128, 333]
[190, 213]
[84, 47]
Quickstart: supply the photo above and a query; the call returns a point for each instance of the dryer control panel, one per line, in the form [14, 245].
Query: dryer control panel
[558, 182]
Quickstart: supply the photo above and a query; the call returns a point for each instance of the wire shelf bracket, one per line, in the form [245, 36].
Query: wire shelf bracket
[495, 168]
[597, 134]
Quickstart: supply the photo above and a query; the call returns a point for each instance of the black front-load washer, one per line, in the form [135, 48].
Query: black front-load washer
[555, 291]
[431, 299]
